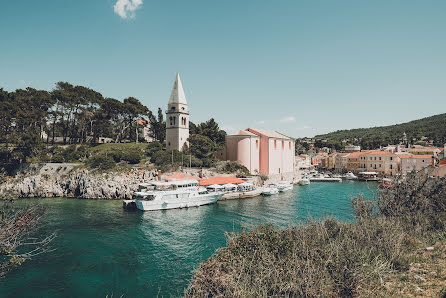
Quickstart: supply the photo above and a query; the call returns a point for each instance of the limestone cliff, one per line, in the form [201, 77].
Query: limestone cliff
[65, 180]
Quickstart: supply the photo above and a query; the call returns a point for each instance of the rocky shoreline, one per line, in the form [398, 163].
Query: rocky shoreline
[66, 180]
[69, 180]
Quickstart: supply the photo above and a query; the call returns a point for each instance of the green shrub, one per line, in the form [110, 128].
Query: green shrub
[58, 158]
[101, 162]
[132, 156]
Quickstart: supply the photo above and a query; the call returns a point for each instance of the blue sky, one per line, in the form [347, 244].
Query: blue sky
[299, 67]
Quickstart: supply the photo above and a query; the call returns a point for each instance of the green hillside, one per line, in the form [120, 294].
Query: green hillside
[434, 128]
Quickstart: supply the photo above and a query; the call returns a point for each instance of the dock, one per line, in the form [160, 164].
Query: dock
[242, 194]
[325, 180]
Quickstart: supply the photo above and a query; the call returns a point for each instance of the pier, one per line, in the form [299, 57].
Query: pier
[325, 179]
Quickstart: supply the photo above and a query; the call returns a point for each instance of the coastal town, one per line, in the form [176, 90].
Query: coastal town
[223, 149]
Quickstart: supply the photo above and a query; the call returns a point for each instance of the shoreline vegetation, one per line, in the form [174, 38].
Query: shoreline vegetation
[396, 247]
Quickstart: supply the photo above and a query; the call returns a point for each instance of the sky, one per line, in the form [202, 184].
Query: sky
[299, 67]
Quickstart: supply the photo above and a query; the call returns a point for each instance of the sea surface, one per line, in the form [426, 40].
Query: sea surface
[103, 250]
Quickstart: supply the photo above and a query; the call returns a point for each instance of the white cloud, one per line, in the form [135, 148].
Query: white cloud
[303, 127]
[288, 119]
[126, 8]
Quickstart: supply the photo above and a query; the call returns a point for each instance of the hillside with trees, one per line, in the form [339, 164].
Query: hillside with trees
[67, 123]
[434, 128]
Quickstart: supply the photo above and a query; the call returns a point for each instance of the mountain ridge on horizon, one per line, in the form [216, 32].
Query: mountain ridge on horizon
[432, 127]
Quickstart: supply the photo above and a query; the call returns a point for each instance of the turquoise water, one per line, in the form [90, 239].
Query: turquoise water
[103, 250]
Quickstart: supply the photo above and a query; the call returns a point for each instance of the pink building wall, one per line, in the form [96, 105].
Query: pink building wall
[415, 163]
[275, 158]
[244, 150]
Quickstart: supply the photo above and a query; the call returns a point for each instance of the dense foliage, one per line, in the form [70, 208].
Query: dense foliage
[332, 259]
[35, 123]
[434, 128]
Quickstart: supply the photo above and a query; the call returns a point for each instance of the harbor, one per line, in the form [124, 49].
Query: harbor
[101, 249]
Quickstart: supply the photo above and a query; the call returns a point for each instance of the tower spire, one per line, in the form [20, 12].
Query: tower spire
[177, 95]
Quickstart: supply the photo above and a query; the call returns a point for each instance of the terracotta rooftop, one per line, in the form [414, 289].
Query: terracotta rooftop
[179, 176]
[422, 156]
[379, 153]
[405, 155]
[270, 134]
[243, 133]
[221, 181]
[355, 154]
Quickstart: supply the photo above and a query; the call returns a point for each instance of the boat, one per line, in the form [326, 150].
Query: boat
[284, 186]
[350, 176]
[368, 176]
[386, 183]
[336, 176]
[181, 194]
[270, 190]
[304, 181]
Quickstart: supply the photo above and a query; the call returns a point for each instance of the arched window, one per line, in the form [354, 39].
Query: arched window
[171, 120]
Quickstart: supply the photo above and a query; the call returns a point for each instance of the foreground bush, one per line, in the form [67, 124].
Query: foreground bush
[329, 258]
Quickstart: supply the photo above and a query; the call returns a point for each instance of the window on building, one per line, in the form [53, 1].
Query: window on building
[423, 160]
[289, 145]
[391, 166]
[283, 144]
[173, 120]
[172, 108]
[257, 144]
[391, 158]
[380, 158]
[275, 144]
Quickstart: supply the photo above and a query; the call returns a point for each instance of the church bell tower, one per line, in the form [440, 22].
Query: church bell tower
[177, 118]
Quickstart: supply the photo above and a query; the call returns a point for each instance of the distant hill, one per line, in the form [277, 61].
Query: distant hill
[434, 128]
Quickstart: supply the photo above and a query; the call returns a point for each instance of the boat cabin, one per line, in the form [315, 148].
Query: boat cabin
[368, 176]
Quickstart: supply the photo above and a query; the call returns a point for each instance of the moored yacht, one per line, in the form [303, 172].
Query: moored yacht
[172, 195]
[304, 181]
[284, 186]
[270, 190]
[350, 176]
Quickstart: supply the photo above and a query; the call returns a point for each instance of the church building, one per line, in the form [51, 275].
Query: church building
[177, 118]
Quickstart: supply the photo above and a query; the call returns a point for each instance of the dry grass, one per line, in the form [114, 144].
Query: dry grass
[381, 254]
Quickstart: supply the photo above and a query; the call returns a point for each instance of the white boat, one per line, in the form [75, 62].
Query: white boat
[270, 190]
[182, 194]
[304, 181]
[284, 186]
[350, 176]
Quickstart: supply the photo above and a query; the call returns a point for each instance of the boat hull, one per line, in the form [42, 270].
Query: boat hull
[286, 188]
[177, 203]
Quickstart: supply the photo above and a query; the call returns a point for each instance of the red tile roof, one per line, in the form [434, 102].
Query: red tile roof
[179, 176]
[422, 156]
[443, 162]
[355, 154]
[221, 181]
[269, 134]
[379, 153]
